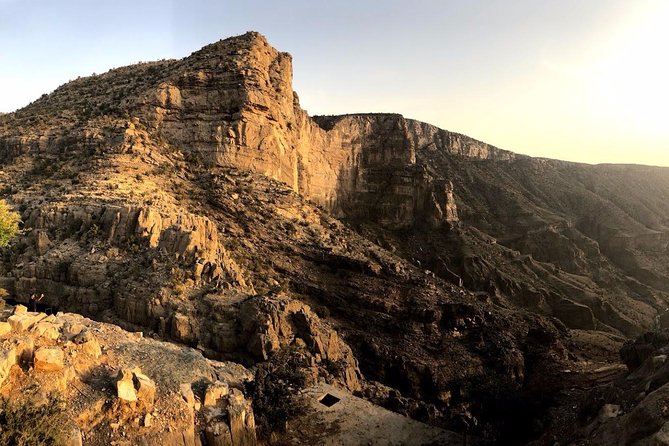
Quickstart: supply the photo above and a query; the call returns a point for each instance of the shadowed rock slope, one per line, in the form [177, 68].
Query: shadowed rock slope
[195, 199]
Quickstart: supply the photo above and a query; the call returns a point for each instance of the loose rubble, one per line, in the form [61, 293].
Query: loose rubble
[98, 370]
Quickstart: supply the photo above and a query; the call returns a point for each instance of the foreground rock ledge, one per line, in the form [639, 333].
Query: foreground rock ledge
[120, 388]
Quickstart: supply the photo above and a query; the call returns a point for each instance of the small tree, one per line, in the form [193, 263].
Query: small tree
[9, 223]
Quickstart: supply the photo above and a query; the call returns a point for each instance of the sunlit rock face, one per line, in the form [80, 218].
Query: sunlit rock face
[232, 103]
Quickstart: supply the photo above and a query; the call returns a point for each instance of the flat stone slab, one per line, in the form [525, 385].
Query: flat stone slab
[335, 417]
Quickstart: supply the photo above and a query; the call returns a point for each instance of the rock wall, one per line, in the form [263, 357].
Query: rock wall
[232, 103]
[121, 262]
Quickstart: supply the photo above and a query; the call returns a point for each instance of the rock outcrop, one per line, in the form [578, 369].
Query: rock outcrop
[142, 410]
[633, 409]
[270, 324]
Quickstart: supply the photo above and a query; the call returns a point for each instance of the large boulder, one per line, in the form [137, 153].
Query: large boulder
[23, 322]
[48, 328]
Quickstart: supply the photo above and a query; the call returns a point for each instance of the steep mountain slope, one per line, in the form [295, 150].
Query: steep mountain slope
[598, 232]
[196, 200]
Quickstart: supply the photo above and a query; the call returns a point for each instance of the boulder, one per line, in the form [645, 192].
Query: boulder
[48, 328]
[92, 348]
[144, 387]
[187, 394]
[49, 359]
[25, 346]
[23, 322]
[88, 343]
[82, 337]
[72, 330]
[75, 438]
[20, 309]
[215, 392]
[5, 329]
[608, 411]
[133, 385]
[659, 360]
[125, 388]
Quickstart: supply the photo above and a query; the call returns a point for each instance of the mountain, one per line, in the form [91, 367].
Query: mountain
[429, 272]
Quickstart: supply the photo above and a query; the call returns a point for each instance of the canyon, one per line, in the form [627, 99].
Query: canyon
[483, 292]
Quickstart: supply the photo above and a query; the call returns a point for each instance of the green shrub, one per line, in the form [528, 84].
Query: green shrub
[274, 389]
[9, 223]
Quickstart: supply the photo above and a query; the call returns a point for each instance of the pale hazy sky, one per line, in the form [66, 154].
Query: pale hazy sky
[584, 80]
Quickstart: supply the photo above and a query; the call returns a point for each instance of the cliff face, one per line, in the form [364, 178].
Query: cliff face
[232, 103]
[196, 200]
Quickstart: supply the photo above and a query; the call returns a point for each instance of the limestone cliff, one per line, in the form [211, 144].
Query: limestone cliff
[232, 103]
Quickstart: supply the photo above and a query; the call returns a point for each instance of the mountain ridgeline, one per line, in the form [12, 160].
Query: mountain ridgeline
[429, 272]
